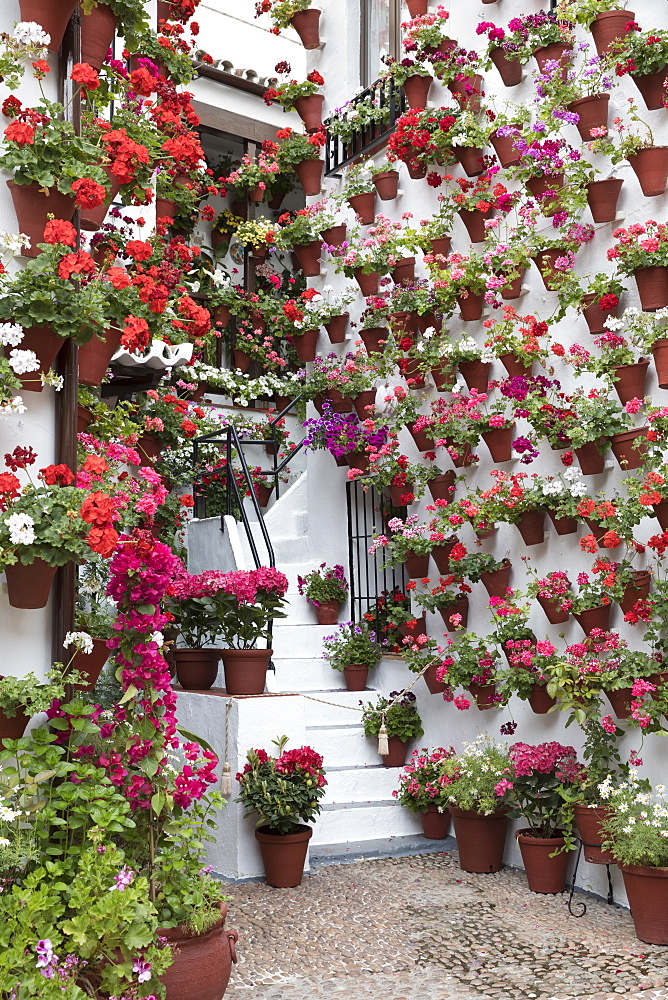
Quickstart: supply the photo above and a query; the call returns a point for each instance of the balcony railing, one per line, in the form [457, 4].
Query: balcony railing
[377, 108]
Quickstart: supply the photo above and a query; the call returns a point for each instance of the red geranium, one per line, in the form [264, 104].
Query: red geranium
[88, 193]
[60, 231]
[56, 475]
[21, 133]
[76, 263]
[84, 74]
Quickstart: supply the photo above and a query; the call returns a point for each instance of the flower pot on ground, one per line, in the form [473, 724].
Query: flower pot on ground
[307, 25]
[29, 585]
[202, 963]
[650, 166]
[435, 824]
[651, 86]
[32, 207]
[481, 839]
[422, 791]
[629, 447]
[592, 112]
[283, 855]
[196, 669]
[386, 184]
[94, 357]
[309, 174]
[608, 26]
[602, 198]
[52, 15]
[652, 283]
[510, 70]
[545, 874]
[647, 891]
[630, 380]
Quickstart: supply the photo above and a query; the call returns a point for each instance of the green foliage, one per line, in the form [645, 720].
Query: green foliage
[284, 791]
[327, 583]
[354, 644]
[401, 718]
[423, 781]
[29, 693]
[474, 774]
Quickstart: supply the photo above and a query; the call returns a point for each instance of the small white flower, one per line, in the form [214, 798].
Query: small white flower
[55, 381]
[22, 362]
[4, 842]
[157, 637]
[14, 405]
[80, 640]
[21, 529]
[11, 334]
[31, 33]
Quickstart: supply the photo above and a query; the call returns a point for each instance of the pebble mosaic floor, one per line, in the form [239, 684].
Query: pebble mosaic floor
[419, 928]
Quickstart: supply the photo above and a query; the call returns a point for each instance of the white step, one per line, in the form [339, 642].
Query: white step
[345, 746]
[303, 639]
[305, 674]
[361, 784]
[336, 826]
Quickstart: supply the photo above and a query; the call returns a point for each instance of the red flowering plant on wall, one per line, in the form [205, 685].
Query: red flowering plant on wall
[423, 137]
[467, 660]
[541, 779]
[289, 92]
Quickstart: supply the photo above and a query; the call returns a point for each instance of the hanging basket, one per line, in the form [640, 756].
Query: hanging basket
[13, 728]
[621, 702]
[91, 664]
[563, 525]
[440, 245]
[441, 556]
[660, 355]
[397, 752]
[434, 686]
[363, 402]
[539, 187]
[471, 306]
[483, 695]
[423, 441]
[552, 611]
[505, 150]
[516, 366]
[544, 261]
[416, 566]
[307, 25]
[29, 585]
[602, 198]
[403, 272]
[541, 702]
[461, 608]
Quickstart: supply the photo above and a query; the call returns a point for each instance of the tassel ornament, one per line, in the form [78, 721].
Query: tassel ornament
[383, 745]
[226, 780]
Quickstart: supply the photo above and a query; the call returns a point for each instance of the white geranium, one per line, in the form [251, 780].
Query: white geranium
[31, 33]
[81, 641]
[22, 362]
[11, 334]
[14, 405]
[13, 243]
[21, 529]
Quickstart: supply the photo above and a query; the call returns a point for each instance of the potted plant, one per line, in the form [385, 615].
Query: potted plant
[301, 153]
[297, 14]
[360, 193]
[540, 774]
[449, 597]
[395, 721]
[468, 663]
[303, 97]
[354, 650]
[23, 697]
[643, 253]
[284, 791]
[385, 177]
[414, 76]
[255, 176]
[478, 780]
[423, 789]
[530, 670]
[326, 589]
[644, 56]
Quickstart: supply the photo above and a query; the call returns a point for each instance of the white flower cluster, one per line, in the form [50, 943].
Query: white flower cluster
[22, 362]
[81, 641]
[55, 381]
[11, 334]
[21, 529]
[12, 406]
[29, 33]
[8, 815]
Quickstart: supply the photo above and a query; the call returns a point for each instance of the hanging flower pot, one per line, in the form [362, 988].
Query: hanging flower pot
[91, 664]
[443, 487]
[411, 370]
[307, 25]
[496, 581]
[469, 159]
[621, 702]
[602, 197]
[593, 113]
[429, 676]
[403, 272]
[309, 110]
[416, 88]
[516, 366]
[467, 91]
[608, 26]
[554, 52]
[637, 590]
[544, 873]
[652, 283]
[476, 374]
[335, 235]
[52, 15]
[514, 289]
[460, 454]
[149, 448]
[97, 34]
[545, 261]
[441, 245]
[483, 695]
[245, 670]
[441, 556]
[499, 440]
[481, 840]
[13, 728]
[594, 618]
[552, 611]
[539, 188]
[444, 377]
[196, 669]
[387, 184]
[364, 206]
[241, 360]
[647, 892]
[283, 855]
[397, 752]
[422, 440]
[629, 447]
[94, 357]
[416, 170]
[588, 820]
[32, 206]
[397, 494]
[661, 514]
[29, 584]
[435, 824]
[308, 255]
[505, 150]
[368, 282]
[363, 402]
[595, 317]
[630, 380]
[510, 70]
[592, 462]
[460, 608]
[358, 460]
[309, 173]
[375, 338]
[651, 87]
[339, 402]
[660, 355]
[471, 306]
[416, 566]
[355, 676]
[46, 344]
[563, 525]
[305, 344]
[650, 166]
[531, 526]
[474, 221]
[416, 8]
[541, 702]
[263, 493]
[84, 418]
[165, 208]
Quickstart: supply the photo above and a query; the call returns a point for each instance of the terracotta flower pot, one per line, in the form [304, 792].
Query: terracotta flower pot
[416, 566]
[515, 365]
[202, 963]
[411, 370]
[544, 874]
[651, 87]
[416, 170]
[637, 590]
[652, 283]
[621, 702]
[241, 360]
[358, 460]
[594, 618]
[84, 417]
[510, 70]
[563, 525]
[196, 669]
[165, 208]
[469, 159]
[305, 344]
[588, 821]
[339, 402]
[309, 110]
[149, 448]
[92, 218]
[53, 15]
[483, 695]
[539, 187]
[467, 92]
[496, 581]
[592, 462]
[245, 670]
[499, 440]
[661, 514]
[327, 612]
[307, 25]
[308, 255]
[368, 282]
[336, 328]
[595, 317]
[541, 702]
[423, 441]
[474, 221]
[505, 150]
[531, 526]
[593, 112]
[630, 447]
[647, 891]
[309, 173]
[387, 184]
[91, 664]
[94, 357]
[459, 608]
[375, 338]
[29, 586]
[397, 494]
[630, 380]
[97, 34]
[460, 454]
[608, 26]
[441, 556]
[416, 88]
[544, 261]
[363, 401]
[364, 206]
[554, 52]
[514, 289]
[444, 377]
[602, 197]
[32, 206]
[552, 612]
[435, 824]
[283, 855]
[476, 374]
[443, 487]
[660, 355]
[441, 245]
[650, 166]
[13, 728]
[434, 686]
[397, 752]
[263, 494]
[403, 272]
[335, 235]
[471, 306]
[481, 840]
[355, 676]
[416, 8]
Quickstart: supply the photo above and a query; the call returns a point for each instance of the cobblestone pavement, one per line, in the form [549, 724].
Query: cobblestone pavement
[419, 928]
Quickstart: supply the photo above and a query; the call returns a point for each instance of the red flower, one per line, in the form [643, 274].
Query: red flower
[136, 334]
[84, 74]
[60, 231]
[11, 107]
[41, 68]
[76, 263]
[139, 249]
[10, 486]
[103, 540]
[314, 77]
[118, 276]
[98, 508]
[53, 475]
[141, 82]
[189, 428]
[21, 133]
[88, 193]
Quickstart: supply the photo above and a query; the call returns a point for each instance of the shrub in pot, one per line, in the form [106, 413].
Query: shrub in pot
[423, 789]
[284, 792]
[354, 650]
[395, 722]
[23, 697]
[326, 589]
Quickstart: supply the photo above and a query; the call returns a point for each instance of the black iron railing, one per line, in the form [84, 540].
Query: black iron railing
[387, 103]
[369, 511]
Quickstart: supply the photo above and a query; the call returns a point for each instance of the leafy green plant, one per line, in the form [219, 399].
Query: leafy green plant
[637, 831]
[422, 782]
[401, 718]
[328, 583]
[29, 693]
[354, 644]
[477, 775]
[285, 790]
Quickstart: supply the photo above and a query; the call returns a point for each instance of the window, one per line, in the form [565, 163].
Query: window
[381, 20]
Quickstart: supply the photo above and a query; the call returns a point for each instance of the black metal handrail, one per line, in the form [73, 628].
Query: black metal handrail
[383, 94]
